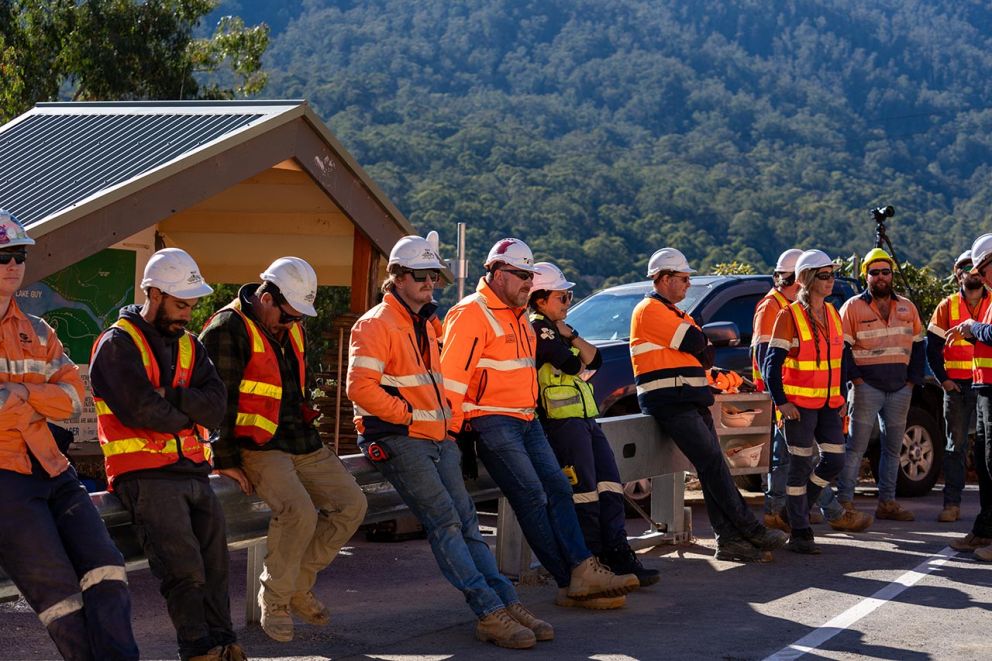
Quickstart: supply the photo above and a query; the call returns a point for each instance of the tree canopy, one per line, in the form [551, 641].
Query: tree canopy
[122, 50]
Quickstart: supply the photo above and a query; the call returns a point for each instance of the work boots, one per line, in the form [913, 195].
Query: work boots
[776, 520]
[969, 543]
[592, 603]
[802, 542]
[852, 521]
[591, 579]
[893, 511]
[949, 514]
[623, 560]
[501, 629]
[542, 630]
[741, 550]
[234, 652]
[213, 654]
[308, 608]
[768, 539]
[276, 621]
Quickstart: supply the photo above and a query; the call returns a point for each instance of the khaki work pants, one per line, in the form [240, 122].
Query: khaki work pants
[316, 507]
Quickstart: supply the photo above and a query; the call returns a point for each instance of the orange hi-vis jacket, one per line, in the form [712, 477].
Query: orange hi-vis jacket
[487, 359]
[32, 355]
[888, 353]
[396, 388]
[958, 354]
[982, 360]
[260, 390]
[127, 449]
[811, 373]
[665, 349]
[764, 321]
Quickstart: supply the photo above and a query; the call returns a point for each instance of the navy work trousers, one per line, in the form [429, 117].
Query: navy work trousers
[58, 553]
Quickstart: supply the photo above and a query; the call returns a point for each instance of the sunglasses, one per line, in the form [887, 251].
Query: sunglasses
[18, 257]
[285, 318]
[825, 276]
[787, 280]
[875, 272]
[565, 297]
[420, 275]
[523, 275]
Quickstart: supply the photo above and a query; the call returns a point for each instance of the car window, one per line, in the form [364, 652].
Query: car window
[739, 310]
[606, 315]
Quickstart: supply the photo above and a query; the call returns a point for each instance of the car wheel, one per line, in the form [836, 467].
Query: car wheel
[921, 455]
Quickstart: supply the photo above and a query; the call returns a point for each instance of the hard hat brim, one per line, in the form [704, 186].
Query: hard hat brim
[199, 291]
[302, 307]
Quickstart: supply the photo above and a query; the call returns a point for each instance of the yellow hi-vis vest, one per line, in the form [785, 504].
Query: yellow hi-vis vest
[565, 395]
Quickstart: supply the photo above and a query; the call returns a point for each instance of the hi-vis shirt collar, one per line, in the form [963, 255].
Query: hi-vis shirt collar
[667, 303]
[868, 298]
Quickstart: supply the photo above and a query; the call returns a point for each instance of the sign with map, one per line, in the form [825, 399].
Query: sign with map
[79, 302]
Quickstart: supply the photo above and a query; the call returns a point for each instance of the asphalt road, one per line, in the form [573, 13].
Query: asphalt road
[894, 592]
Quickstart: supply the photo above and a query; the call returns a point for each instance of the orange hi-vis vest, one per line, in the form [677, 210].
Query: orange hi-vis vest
[395, 387]
[958, 355]
[260, 390]
[807, 382]
[764, 319]
[127, 449]
[982, 360]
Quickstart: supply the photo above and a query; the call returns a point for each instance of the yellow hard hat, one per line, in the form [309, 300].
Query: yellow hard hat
[876, 255]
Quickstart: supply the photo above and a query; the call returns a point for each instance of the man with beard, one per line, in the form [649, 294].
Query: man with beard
[268, 443]
[155, 390]
[951, 363]
[885, 336]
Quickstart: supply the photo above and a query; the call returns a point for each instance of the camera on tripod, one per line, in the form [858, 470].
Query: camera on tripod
[881, 213]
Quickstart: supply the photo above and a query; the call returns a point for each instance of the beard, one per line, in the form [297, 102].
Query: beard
[973, 284]
[164, 324]
[880, 289]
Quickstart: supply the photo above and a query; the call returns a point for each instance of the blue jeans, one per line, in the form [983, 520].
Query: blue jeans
[778, 473]
[428, 476]
[891, 409]
[983, 464]
[521, 462]
[58, 553]
[959, 406]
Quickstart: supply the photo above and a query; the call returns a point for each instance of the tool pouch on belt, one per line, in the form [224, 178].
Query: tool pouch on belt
[466, 440]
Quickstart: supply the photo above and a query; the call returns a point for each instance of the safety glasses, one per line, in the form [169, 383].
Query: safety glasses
[786, 280]
[877, 272]
[285, 318]
[825, 276]
[420, 275]
[18, 257]
[565, 297]
[523, 275]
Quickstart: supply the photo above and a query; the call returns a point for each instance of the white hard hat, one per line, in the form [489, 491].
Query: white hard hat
[963, 257]
[813, 259]
[296, 280]
[787, 260]
[12, 231]
[981, 251]
[668, 259]
[550, 277]
[512, 252]
[174, 272]
[414, 252]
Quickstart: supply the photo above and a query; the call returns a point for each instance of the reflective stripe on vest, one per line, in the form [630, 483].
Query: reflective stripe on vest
[783, 302]
[127, 449]
[565, 395]
[808, 382]
[958, 355]
[260, 390]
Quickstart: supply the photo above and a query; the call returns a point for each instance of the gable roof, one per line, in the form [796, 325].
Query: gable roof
[82, 176]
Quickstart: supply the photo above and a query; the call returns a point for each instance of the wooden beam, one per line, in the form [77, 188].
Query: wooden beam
[364, 273]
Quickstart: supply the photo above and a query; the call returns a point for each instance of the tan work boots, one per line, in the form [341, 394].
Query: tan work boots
[308, 608]
[592, 579]
[501, 629]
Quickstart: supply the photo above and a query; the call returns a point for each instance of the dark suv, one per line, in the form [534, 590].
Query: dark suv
[724, 306]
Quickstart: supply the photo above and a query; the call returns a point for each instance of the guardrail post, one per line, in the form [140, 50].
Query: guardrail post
[256, 557]
[668, 501]
[513, 554]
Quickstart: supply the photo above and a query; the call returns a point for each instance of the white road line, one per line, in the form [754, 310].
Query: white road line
[837, 625]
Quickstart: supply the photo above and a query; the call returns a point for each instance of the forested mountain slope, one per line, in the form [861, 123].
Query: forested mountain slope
[600, 131]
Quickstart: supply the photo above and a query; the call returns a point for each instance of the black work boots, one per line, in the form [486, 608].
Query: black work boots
[623, 560]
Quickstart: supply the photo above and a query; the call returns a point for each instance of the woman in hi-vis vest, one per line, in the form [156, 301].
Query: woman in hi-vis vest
[567, 410]
[805, 367]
